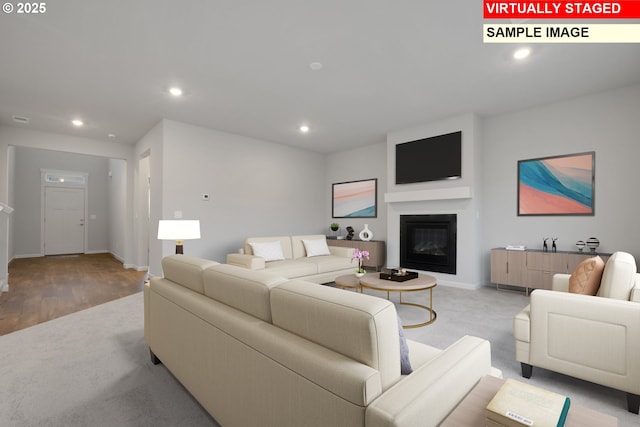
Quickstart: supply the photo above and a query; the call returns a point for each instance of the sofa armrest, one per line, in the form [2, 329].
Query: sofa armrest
[246, 261]
[341, 251]
[560, 282]
[432, 391]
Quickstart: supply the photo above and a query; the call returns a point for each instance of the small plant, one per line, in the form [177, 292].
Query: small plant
[334, 226]
[360, 255]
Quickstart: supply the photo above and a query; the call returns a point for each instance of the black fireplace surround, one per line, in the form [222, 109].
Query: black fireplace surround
[428, 242]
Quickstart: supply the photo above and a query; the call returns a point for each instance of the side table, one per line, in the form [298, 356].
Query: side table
[471, 412]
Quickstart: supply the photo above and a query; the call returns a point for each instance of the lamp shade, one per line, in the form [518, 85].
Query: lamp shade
[179, 229]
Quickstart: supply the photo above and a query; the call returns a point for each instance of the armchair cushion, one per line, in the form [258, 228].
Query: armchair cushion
[586, 277]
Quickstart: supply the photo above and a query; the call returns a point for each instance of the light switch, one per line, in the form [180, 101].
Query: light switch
[92, 216]
[177, 214]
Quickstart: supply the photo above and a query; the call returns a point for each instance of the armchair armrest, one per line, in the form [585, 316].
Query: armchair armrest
[246, 261]
[588, 337]
[432, 391]
[560, 282]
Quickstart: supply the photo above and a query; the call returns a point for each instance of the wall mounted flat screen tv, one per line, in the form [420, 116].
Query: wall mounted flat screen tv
[430, 159]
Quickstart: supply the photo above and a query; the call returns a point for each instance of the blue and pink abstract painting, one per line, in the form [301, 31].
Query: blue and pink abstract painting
[561, 185]
[355, 199]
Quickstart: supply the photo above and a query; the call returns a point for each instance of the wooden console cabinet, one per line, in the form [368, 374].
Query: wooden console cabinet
[533, 269]
[376, 249]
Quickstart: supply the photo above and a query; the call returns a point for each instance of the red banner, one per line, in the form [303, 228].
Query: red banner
[629, 9]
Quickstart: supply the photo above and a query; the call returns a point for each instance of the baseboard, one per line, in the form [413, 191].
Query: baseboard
[28, 256]
[4, 286]
[461, 285]
[100, 251]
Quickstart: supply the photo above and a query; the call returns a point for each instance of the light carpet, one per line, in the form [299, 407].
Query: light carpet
[92, 367]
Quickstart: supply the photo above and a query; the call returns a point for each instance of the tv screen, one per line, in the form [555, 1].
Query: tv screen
[429, 159]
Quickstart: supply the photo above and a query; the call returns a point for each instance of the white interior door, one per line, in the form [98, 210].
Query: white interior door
[64, 221]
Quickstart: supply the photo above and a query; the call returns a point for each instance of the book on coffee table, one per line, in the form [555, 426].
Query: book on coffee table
[518, 404]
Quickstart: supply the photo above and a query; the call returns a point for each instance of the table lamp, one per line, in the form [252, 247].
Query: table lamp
[178, 230]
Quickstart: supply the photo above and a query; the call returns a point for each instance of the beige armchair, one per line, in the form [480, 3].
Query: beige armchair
[595, 338]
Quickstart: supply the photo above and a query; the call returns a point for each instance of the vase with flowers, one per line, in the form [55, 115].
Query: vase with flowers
[360, 256]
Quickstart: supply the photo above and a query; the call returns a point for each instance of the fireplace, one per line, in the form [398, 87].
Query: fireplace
[428, 242]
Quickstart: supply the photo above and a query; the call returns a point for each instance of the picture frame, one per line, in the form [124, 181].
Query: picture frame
[355, 199]
[557, 185]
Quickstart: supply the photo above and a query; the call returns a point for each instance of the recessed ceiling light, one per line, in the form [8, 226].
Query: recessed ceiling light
[77, 122]
[315, 66]
[304, 128]
[20, 119]
[521, 53]
[175, 91]
[111, 135]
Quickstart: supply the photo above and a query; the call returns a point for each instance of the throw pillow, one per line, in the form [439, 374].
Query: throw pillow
[586, 277]
[405, 363]
[270, 251]
[316, 247]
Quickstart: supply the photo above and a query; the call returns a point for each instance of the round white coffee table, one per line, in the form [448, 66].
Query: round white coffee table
[423, 282]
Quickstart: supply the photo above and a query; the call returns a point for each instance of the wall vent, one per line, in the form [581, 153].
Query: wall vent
[19, 119]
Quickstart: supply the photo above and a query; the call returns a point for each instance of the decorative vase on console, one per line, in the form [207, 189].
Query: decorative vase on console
[360, 255]
[366, 234]
[592, 244]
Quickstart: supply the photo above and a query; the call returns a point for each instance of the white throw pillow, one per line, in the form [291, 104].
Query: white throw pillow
[316, 247]
[270, 251]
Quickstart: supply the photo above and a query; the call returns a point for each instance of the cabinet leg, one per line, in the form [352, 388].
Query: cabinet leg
[633, 403]
[527, 369]
[154, 358]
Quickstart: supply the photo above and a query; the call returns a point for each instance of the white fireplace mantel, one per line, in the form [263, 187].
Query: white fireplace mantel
[424, 195]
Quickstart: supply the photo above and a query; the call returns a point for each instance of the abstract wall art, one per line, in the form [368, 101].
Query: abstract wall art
[355, 199]
[558, 185]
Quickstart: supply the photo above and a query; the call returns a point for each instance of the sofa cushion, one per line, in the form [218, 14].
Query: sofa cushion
[405, 362]
[361, 327]
[292, 269]
[297, 244]
[285, 244]
[618, 277]
[327, 263]
[242, 289]
[585, 278]
[316, 247]
[186, 270]
[270, 251]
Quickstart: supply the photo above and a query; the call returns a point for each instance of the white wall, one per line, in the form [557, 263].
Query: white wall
[148, 163]
[607, 123]
[354, 165]
[117, 182]
[256, 188]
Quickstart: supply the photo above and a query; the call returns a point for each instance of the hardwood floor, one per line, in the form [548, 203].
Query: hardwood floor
[45, 288]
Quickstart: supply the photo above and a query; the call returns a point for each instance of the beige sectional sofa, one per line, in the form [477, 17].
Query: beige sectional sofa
[295, 261]
[258, 349]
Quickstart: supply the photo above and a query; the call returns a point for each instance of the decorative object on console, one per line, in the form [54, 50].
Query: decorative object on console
[355, 199]
[360, 255]
[366, 234]
[580, 245]
[554, 248]
[178, 230]
[349, 232]
[557, 185]
[592, 244]
[334, 228]
[545, 248]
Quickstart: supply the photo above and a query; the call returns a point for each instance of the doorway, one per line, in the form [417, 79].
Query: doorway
[64, 221]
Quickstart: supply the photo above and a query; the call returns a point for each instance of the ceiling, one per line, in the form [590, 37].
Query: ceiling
[244, 66]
